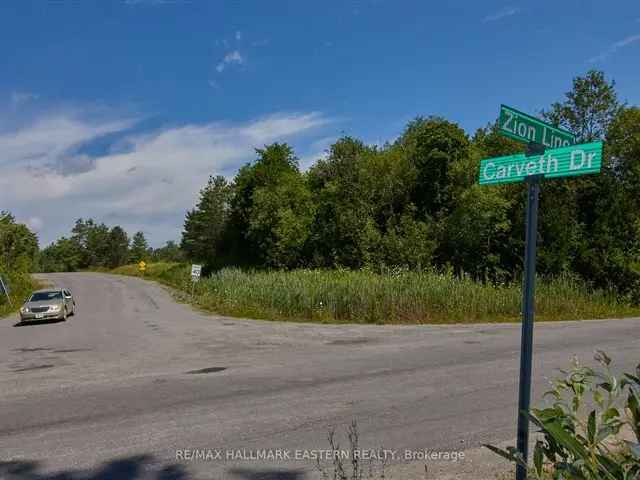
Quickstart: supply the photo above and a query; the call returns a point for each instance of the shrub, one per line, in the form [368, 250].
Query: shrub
[591, 430]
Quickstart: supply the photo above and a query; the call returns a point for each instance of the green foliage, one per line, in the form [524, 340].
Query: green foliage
[93, 242]
[343, 226]
[65, 255]
[415, 204]
[171, 252]
[18, 257]
[139, 248]
[96, 246]
[281, 211]
[591, 427]
[20, 285]
[270, 209]
[484, 211]
[588, 109]
[432, 145]
[18, 245]
[203, 237]
[363, 296]
[118, 243]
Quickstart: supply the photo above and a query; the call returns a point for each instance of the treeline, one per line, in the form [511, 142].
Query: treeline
[415, 203]
[18, 257]
[95, 245]
[18, 245]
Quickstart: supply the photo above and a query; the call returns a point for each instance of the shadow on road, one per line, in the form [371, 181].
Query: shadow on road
[140, 467]
[279, 474]
[34, 323]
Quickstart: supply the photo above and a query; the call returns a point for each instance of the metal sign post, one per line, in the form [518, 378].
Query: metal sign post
[551, 153]
[4, 290]
[528, 313]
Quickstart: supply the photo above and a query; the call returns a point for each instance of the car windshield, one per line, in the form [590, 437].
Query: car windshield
[44, 296]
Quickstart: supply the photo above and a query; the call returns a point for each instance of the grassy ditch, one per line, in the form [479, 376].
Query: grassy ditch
[346, 296]
[20, 286]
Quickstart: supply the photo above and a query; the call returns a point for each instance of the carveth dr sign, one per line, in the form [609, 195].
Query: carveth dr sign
[557, 162]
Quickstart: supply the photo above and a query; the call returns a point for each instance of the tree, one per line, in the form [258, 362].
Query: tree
[65, 255]
[272, 208]
[432, 145]
[170, 252]
[203, 236]
[18, 245]
[344, 227]
[118, 247]
[477, 234]
[93, 241]
[589, 107]
[139, 248]
[610, 255]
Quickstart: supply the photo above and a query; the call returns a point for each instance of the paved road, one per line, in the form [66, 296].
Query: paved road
[134, 378]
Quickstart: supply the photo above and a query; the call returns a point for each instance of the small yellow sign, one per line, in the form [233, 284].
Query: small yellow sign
[142, 266]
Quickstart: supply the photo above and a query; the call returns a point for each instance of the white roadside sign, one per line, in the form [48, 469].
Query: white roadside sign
[195, 272]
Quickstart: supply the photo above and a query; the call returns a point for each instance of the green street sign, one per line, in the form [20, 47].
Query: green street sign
[525, 128]
[557, 162]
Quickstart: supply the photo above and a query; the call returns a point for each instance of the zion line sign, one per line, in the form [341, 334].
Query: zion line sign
[525, 128]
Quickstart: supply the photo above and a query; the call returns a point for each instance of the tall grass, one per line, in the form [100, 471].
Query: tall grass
[347, 296]
[20, 285]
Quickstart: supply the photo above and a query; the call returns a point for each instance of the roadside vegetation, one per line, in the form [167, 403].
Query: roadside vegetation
[590, 427]
[18, 252]
[397, 296]
[93, 245]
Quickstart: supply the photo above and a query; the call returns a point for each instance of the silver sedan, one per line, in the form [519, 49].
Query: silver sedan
[48, 304]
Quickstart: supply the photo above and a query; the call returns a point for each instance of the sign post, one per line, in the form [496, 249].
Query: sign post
[142, 266]
[528, 313]
[196, 270]
[4, 290]
[551, 153]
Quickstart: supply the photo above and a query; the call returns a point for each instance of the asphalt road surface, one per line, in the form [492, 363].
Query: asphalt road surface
[134, 379]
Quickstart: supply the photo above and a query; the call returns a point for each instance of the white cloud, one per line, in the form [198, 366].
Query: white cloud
[35, 224]
[499, 15]
[318, 149]
[234, 57]
[238, 35]
[48, 137]
[147, 187]
[625, 42]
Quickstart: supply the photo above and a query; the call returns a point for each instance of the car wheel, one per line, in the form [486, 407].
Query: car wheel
[64, 314]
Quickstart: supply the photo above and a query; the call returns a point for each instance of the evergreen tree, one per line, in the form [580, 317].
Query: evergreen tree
[139, 248]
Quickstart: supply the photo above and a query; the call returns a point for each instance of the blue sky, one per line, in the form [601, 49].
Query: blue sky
[119, 110]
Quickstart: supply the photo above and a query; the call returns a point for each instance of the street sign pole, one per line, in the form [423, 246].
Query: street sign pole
[5, 290]
[551, 153]
[528, 312]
